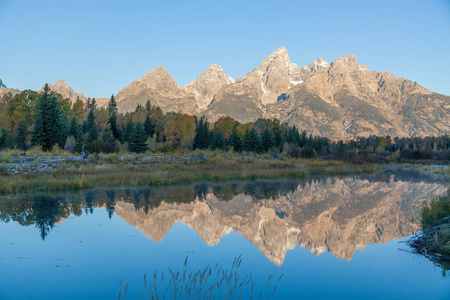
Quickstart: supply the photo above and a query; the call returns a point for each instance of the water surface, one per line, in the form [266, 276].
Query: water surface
[331, 237]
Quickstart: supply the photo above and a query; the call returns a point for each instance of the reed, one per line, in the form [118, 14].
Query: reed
[207, 283]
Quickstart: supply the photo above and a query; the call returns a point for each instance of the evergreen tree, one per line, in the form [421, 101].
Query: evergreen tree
[47, 122]
[138, 107]
[148, 106]
[91, 127]
[148, 126]
[128, 132]
[268, 140]
[3, 137]
[218, 141]
[112, 109]
[251, 141]
[202, 136]
[22, 136]
[235, 141]
[93, 104]
[112, 105]
[73, 128]
[278, 138]
[109, 142]
[87, 105]
[63, 132]
[138, 142]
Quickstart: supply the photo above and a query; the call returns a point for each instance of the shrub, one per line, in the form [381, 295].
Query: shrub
[3, 171]
[438, 209]
[70, 144]
[308, 152]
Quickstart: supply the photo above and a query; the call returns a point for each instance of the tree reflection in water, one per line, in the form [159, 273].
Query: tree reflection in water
[335, 214]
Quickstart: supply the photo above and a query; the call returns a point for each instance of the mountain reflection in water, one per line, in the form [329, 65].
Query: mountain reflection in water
[339, 215]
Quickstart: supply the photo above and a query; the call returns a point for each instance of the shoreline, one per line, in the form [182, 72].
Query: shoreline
[59, 173]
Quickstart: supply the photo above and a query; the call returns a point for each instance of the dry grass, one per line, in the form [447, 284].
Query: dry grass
[434, 240]
[111, 170]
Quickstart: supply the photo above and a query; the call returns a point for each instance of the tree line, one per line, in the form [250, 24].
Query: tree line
[46, 120]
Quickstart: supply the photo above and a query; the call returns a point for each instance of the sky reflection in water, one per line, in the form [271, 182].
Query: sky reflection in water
[330, 237]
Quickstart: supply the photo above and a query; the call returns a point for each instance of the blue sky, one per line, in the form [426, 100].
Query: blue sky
[99, 47]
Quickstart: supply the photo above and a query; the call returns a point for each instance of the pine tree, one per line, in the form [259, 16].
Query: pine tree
[91, 127]
[148, 126]
[138, 142]
[107, 137]
[112, 105]
[202, 136]
[22, 136]
[218, 141]
[63, 132]
[87, 105]
[278, 138]
[3, 137]
[148, 106]
[93, 104]
[128, 132]
[268, 140]
[112, 109]
[47, 122]
[73, 128]
[138, 107]
[251, 141]
[235, 141]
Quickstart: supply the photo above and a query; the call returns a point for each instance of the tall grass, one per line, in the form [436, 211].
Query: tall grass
[436, 210]
[112, 170]
[434, 240]
[209, 283]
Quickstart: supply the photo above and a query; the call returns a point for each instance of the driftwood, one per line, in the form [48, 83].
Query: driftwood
[426, 243]
[84, 153]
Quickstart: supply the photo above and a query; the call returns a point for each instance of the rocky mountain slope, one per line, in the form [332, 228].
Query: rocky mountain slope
[206, 86]
[4, 90]
[160, 88]
[338, 100]
[62, 88]
[348, 100]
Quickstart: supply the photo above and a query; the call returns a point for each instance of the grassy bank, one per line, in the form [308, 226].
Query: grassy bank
[133, 170]
[434, 239]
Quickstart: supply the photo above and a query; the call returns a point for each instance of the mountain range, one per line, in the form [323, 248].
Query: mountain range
[339, 100]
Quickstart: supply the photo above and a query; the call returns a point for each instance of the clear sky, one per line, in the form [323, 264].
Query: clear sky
[99, 47]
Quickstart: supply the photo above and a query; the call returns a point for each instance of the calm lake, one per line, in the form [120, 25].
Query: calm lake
[326, 237]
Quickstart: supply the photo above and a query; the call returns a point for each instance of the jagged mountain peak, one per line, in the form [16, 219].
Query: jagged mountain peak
[277, 75]
[280, 55]
[2, 85]
[58, 86]
[206, 86]
[348, 60]
[215, 70]
[159, 71]
[158, 78]
[313, 67]
[280, 52]
[62, 84]
[61, 81]
[322, 62]
[158, 86]
[65, 90]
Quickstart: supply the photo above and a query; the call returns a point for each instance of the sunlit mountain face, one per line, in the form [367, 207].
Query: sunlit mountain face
[335, 214]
